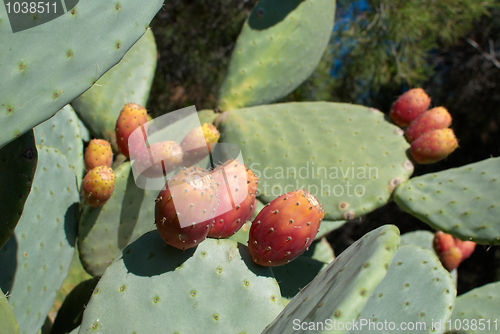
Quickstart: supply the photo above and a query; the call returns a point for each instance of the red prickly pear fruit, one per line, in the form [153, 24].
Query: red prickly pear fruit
[158, 159]
[98, 186]
[436, 118]
[442, 242]
[285, 228]
[451, 258]
[408, 106]
[131, 117]
[199, 143]
[236, 198]
[467, 248]
[185, 208]
[98, 153]
[433, 146]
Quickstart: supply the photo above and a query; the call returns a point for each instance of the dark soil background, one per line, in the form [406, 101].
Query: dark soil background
[195, 40]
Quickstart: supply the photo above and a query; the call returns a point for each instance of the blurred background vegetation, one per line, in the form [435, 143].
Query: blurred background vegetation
[378, 50]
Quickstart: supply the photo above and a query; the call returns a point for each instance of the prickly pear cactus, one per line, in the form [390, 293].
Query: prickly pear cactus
[280, 45]
[424, 239]
[36, 259]
[84, 43]
[358, 271]
[9, 323]
[416, 289]
[18, 162]
[196, 289]
[63, 132]
[462, 201]
[104, 231]
[348, 156]
[207, 116]
[477, 311]
[128, 82]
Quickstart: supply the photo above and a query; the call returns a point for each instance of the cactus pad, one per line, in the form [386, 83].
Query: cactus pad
[63, 132]
[416, 290]
[128, 82]
[348, 156]
[105, 231]
[173, 291]
[18, 162]
[36, 259]
[342, 289]
[9, 323]
[84, 43]
[278, 48]
[461, 201]
[477, 310]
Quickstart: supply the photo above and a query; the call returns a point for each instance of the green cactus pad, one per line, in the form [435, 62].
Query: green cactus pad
[278, 48]
[342, 289]
[71, 311]
[213, 288]
[57, 61]
[17, 167]
[348, 156]
[7, 319]
[207, 116]
[424, 239]
[36, 259]
[63, 132]
[460, 201]
[321, 250]
[75, 331]
[328, 226]
[76, 275]
[416, 291]
[477, 310]
[128, 82]
[105, 231]
[84, 132]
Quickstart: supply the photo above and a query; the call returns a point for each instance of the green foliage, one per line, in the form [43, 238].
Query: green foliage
[389, 44]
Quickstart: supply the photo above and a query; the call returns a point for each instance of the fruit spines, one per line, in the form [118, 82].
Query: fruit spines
[409, 106]
[285, 228]
[185, 208]
[433, 146]
[236, 186]
[131, 117]
[98, 153]
[158, 159]
[433, 119]
[98, 186]
[199, 143]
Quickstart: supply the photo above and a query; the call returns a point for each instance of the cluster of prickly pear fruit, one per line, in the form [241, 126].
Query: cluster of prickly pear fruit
[427, 130]
[195, 204]
[452, 251]
[99, 182]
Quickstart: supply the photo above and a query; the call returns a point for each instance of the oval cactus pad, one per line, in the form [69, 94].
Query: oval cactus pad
[213, 288]
[348, 156]
[36, 259]
[278, 48]
[57, 61]
[416, 293]
[341, 290]
[477, 310]
[462, 201]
